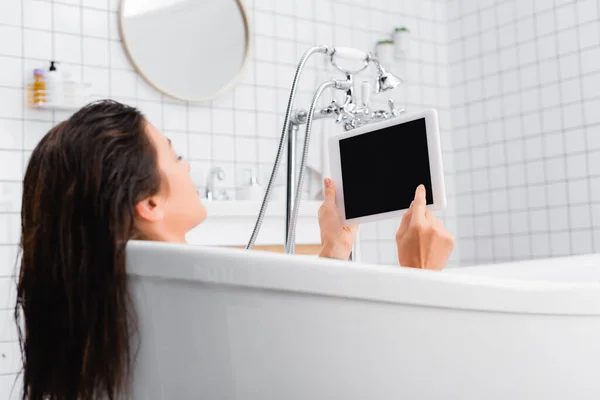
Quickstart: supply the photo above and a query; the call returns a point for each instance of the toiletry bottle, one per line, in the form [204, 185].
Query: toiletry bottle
[251, 190]
[54, 85]
[39, 88]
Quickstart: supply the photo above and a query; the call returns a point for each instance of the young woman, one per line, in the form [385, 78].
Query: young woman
[95, 181]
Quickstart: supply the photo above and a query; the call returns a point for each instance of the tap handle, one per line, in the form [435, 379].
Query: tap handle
[349, 53]
[332, 107]
[391, 105]
[339, 118]
[365, 93]
[217, 172]
[393, 110]
[344, 115]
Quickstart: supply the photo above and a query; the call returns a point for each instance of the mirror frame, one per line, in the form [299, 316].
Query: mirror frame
[228, 87]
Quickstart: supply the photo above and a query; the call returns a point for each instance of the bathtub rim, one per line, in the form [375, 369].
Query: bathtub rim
[376, 283]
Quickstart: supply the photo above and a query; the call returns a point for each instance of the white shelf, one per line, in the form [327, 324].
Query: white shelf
[56, 107]
[76, 98]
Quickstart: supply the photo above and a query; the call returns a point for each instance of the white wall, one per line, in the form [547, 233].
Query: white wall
[525, 79]
[237, 131]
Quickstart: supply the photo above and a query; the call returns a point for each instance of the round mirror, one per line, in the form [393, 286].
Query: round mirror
[188, 49]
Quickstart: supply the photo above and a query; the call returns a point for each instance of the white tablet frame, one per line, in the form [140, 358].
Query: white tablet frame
[435, 164]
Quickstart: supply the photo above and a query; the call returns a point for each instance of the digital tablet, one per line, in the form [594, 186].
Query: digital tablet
[376, 168]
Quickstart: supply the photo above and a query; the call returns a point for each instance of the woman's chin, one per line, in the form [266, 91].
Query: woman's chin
[202, 214]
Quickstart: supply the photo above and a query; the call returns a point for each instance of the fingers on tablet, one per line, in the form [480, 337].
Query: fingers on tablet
[418, 206]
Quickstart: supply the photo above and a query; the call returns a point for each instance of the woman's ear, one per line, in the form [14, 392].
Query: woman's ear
[150, 209]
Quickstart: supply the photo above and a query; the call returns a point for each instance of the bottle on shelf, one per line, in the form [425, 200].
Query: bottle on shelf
[39, 88]
[54, 86]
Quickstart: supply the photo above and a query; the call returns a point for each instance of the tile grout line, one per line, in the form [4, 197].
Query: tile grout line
[523, 143]
[585, 141]
[509, 213]
[543, 148]
[562, 125]
[485, 124]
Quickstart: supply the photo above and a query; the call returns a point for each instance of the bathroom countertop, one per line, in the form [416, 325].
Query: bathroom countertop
[238, 208]
[230, 223]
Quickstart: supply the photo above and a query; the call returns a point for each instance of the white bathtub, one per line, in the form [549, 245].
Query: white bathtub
[233, 324]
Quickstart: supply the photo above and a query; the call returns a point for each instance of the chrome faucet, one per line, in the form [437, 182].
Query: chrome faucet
[210, 184]
[349, 114]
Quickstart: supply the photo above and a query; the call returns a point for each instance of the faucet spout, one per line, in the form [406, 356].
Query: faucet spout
[210, 182]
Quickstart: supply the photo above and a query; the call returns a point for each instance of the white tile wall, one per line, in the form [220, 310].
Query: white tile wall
[545, 56]
[83, 36]
[237, 131]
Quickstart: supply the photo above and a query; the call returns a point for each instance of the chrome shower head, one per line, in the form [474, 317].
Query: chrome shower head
[386, 80]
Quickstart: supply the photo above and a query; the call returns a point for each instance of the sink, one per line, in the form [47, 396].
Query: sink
[230, 223]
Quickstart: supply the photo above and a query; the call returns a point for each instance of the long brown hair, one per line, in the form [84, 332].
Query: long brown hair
[79, 194]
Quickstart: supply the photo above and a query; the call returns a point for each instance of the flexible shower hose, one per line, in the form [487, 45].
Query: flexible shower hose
[284, 133]
[294, 219]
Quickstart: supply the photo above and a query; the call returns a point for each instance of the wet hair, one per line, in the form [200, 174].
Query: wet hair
[74, 311]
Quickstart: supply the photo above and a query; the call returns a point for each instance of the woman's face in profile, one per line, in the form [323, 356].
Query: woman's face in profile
[182, 209]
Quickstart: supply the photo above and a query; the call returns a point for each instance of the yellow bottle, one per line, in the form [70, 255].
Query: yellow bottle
[39, 88]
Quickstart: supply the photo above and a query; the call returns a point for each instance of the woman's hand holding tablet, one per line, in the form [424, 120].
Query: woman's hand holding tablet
[422, 240]
[337, 238]
[376, 169]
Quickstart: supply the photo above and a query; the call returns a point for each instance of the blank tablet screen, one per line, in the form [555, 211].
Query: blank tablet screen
[382, 169]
